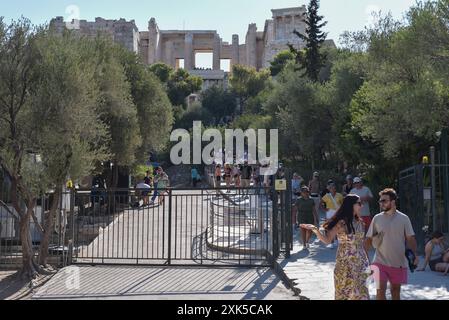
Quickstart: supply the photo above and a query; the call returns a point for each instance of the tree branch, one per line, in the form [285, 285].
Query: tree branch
[37, 223]
[4, 205]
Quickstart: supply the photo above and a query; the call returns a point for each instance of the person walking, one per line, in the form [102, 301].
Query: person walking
[195, 177]
[366, 196]
[348, 186]
[315, 188]
[352, 263]
[330, 203]
[163, 184]
[297, 182]
[388, 233]
[227, 176]
[306, 214]
[236, 175]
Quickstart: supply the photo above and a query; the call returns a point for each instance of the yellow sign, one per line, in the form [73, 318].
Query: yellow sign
[280, 185]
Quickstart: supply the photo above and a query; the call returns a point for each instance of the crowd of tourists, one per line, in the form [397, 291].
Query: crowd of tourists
[348, 222]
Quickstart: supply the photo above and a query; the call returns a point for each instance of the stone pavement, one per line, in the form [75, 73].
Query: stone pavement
[146, 283]
[312, 270]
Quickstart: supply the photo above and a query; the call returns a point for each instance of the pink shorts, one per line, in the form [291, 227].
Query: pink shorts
[384, 273]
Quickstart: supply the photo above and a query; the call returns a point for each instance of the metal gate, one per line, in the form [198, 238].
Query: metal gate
[423, 197]
[190, 227]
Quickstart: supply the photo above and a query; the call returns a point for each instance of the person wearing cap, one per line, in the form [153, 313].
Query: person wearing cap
[366, 196]
[306, 214]
[349, 185]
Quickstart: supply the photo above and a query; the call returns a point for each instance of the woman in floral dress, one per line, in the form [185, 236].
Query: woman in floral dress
[352, 266]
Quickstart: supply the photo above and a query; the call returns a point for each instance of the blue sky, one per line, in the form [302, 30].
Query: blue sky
[227, 17]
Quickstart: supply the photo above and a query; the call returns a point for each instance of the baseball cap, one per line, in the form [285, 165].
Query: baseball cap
[305, 189]
[357, 180]
[316, 174]
[348, 177]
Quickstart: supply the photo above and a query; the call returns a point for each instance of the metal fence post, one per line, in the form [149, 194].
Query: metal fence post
[170, 203]
[433, 185]
[275, 226]
[71, 242]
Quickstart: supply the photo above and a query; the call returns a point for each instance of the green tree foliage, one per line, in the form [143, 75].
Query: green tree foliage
[154, 110]
[195, 112]
[219, 102]
[247, 82]
[178, 83]
[280, 61]
[312, 59]
[162, 71]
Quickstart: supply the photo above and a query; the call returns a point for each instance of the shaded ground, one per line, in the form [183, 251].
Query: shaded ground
[117, 282]
[13, 287]
[313, 272]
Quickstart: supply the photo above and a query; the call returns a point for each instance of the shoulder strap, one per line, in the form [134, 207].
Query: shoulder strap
[333, 200]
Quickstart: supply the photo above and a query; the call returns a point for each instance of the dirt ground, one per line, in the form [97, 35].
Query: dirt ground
[12, 287]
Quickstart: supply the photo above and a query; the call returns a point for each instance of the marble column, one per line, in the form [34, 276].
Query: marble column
[235, 53]
[217, 52]
[188, 52]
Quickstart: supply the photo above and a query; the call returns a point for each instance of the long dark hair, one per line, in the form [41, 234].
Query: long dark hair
[345, 213]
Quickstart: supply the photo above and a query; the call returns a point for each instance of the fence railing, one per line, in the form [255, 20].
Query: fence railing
[10, 243]
[183, 227]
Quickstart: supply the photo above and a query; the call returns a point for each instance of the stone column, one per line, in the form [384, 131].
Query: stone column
[153, 41]
[217, 52]
[251, 46]
[188, 52]
[169, 54]
[159, 56]
[235, 54]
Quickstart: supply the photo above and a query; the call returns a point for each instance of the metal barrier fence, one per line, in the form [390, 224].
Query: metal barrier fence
[188, 227]
[10, 244]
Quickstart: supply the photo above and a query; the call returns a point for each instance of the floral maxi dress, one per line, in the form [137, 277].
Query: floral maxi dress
[352, 264]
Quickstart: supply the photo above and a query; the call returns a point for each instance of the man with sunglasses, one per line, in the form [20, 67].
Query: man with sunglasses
[392, 230]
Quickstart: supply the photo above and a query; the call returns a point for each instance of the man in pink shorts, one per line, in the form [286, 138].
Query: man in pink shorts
[392, 229]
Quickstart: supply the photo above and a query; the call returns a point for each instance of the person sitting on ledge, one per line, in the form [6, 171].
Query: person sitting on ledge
[437, 256]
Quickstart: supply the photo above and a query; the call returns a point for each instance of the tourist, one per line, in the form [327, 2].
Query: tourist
[163, 183]
[236, 175]
[297, 182]
[437, 255]
[195, 177]
[159, 173]
[330, 203]
[246, 174]
[352, 264]
[366, 196]
[388, 233]
[306, 214]
[227, 176]
[144, 189]
[348, 186]
[217, 176]
[315, 187]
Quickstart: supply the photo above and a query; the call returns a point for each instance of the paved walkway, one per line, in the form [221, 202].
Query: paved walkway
[313, 272]
[143, 283]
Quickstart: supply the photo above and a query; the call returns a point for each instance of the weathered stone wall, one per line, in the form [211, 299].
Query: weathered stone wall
[155, 45]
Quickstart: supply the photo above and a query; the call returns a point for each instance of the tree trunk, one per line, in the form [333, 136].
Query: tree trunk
[29, 267]
[49, 218]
